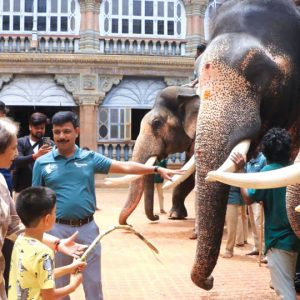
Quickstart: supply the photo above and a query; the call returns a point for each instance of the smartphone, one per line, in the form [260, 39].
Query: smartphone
[46, 140]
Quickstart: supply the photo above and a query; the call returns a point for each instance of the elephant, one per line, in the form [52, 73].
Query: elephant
[168, 128]
[249, 83]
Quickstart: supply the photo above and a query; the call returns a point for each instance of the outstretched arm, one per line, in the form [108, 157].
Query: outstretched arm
[140, 169]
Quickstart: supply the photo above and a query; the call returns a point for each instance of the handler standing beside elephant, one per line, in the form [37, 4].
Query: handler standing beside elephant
[69, 171]
[281, 243]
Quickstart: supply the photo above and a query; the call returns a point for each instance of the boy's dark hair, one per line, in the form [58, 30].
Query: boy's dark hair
[276, 145]
[33, 203]
[63, 117]
[3, 108]
[201, 48]
[37, 118]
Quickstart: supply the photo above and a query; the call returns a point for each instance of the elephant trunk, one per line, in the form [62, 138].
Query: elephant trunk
[145, 147]
[227, 116]
[149, 196]
[292, 201]
[134, 196]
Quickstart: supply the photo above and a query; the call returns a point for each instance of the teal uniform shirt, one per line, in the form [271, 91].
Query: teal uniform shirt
[278, 231]
[157, 177]
[72, 179]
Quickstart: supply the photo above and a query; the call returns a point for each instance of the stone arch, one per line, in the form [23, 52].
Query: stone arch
[35, 90]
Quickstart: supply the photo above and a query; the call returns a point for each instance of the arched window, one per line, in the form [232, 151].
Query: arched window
[43, 16]
[158, 18]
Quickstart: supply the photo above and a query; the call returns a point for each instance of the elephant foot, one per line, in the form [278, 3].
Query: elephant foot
[177, 214]
[206, 284]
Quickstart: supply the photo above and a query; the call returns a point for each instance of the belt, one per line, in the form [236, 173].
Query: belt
[75, 223]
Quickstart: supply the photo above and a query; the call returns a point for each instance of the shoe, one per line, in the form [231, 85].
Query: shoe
[227, 255]
[264, 260]
[162, 211]
[254, 252]
[193, 236]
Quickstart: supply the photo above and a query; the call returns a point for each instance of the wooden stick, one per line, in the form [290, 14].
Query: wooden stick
[261, 231]
[125, 227]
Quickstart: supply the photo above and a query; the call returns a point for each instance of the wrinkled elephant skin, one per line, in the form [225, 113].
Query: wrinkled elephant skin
[168, 128]
[249, 83]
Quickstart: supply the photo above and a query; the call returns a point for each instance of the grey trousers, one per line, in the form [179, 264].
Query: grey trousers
[282, 265]
[92, 284]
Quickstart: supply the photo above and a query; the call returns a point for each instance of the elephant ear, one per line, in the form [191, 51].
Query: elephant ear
[188, 107]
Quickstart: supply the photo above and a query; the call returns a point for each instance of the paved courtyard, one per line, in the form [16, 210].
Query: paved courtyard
[131, 271]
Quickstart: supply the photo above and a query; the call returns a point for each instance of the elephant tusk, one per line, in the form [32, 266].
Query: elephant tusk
[110, 182]
[229, 165]
[189, 167]
[297, 208]
[263, 180]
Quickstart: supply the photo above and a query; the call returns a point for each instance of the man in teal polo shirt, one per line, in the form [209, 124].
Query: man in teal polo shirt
[281, 244]
[69, 171]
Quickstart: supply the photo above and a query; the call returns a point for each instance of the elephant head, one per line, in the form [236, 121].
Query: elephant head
[168, 128]
[249, 82]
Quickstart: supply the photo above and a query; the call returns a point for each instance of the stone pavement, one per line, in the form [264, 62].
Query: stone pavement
[130, 271]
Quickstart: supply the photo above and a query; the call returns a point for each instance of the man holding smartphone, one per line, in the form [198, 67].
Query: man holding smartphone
[30, 147]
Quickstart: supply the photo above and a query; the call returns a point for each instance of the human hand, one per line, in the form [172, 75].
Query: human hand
[69, 247]
[77, 266]
[42, 151]
[167, 173]
[238, 159]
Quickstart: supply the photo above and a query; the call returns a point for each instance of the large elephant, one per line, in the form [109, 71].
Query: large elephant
[168, 128]
[249, 83]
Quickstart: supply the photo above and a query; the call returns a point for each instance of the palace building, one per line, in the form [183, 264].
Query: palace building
[104, 59]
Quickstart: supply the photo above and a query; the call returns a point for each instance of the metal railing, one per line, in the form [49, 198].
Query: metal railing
[122, 151]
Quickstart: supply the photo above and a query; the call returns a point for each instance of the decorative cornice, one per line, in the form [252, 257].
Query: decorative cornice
[178, 81]
[38, 58]
[70, 82]
[5, 78]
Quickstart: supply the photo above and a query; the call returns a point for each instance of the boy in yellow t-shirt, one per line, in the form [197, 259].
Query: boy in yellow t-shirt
[32, 270]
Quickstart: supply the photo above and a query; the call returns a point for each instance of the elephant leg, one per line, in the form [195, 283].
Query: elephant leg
[178, 210]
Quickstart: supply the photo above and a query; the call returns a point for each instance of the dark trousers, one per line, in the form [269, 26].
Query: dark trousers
[7, 251]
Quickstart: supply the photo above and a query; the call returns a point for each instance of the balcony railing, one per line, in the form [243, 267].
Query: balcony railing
[123, 152]
[24, 43]
[113, 45]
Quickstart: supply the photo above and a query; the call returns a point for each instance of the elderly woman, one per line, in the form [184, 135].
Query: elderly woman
[9, 221]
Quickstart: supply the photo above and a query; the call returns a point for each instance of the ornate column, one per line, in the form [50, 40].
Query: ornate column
[88, 114]
[88, 91]
[195, 10]
[89, 27]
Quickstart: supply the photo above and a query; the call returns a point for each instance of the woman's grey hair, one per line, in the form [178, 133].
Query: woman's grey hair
[8, 129]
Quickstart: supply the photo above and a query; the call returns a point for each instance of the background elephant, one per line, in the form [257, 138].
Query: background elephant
[168, 128]
[249, 83]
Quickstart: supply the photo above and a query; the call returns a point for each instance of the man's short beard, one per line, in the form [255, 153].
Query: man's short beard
[37, 136]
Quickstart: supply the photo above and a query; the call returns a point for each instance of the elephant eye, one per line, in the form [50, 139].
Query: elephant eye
[156, 123]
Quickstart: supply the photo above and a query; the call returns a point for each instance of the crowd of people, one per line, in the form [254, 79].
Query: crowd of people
[54, 203]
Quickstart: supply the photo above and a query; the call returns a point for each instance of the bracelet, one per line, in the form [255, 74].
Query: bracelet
[156, 169]
[56, 244]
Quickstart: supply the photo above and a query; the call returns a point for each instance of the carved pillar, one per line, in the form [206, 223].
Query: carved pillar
[88, 113]
[88, 91]
[89, 27]
[195, 10]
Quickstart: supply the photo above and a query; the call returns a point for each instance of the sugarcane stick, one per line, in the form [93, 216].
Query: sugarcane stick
[125, 227]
